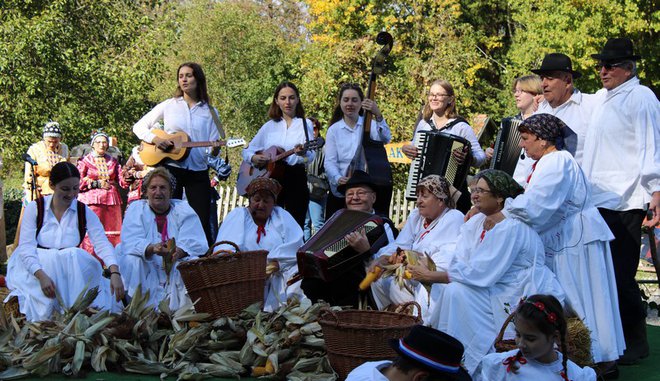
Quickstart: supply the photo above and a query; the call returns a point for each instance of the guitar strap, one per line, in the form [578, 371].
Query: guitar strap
[218, 125]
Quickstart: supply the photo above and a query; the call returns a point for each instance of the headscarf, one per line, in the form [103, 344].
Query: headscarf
[264, 183]
[96, 134]
[440, 188]
[52, 130]
[546, 127]
[501, 183]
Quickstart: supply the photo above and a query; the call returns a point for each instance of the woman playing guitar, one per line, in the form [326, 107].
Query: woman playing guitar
[285, 130]
[188, 112]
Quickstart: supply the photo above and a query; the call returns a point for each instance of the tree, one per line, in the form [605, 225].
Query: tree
[87, 64]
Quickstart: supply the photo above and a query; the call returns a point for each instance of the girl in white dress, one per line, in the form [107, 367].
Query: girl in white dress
[540, 325]
[48, 260]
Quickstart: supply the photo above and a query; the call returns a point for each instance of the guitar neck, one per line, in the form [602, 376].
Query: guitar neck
[284, 155]
[201, 144]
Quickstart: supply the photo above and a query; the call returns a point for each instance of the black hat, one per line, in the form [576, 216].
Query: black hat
[617, 50]
[556, 62]
[358, 178]
[433, 350]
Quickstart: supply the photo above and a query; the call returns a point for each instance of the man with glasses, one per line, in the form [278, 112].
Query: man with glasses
[360, 196]
[622, 162]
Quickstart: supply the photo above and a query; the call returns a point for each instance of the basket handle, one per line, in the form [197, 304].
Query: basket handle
[328, 311]
[212, 253]
[415, 304]
[500, 335]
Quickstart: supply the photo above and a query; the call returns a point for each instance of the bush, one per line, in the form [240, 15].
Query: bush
[12, 201]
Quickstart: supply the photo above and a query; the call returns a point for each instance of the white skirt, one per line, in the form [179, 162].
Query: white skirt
[73, 271]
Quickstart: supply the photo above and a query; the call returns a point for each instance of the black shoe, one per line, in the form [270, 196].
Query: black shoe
[607, 371]
[637, 347]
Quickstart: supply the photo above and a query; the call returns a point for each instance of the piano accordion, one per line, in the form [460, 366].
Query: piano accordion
[327, 255]
[435, 158]
[506, 151]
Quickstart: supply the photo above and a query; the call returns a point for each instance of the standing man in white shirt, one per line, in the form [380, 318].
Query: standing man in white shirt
[565, 102]
[622, 161]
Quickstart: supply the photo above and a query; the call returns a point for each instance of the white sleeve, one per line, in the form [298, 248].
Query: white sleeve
[477, 153]
[142, 129]
[380, 131]
[331, 162]
[647, 119]
[293, 238]
[188, 237]
[134, 236]
[232, 229]
[405, 238]
[256, 144]
[27, 248]
[97, 236]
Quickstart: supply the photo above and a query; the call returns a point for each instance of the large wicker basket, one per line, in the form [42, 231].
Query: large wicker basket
[225, 284]
[353, 337]
[578, 341]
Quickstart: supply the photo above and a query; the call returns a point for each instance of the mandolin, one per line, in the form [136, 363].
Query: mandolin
[152, 155]
[275, 167]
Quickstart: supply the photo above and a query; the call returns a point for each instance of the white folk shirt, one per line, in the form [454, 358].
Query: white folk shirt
[492, 368]
[274, 133]
[369, 371]
[575, 113]
[282, 239]
[60, 234]
[341, 144]
[197, 122]
[621, 154]
[463, 130]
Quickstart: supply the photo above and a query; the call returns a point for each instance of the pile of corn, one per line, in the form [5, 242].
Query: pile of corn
[285, 343]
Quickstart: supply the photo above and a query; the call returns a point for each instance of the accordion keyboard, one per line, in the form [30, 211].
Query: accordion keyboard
[416, 166]
[342, 244]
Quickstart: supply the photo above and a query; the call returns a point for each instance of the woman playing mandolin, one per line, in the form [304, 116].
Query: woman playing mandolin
[285, 131]
[187, 112]
[344, 135]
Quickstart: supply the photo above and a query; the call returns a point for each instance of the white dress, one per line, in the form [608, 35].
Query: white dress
[71, 269]
[492, 368]
[139, 231]
[282, 239]
[557, 204]
[487, 279]
[437, 240]
[369, 371]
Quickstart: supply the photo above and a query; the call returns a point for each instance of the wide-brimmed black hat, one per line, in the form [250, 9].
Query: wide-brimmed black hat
[434, 350]
[556, 62]
[616, 50]
[357, 179]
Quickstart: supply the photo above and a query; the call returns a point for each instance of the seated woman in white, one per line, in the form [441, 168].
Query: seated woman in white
[148, 225]
[48, 261]
[264, 226]
[497, 261]
[431, 228]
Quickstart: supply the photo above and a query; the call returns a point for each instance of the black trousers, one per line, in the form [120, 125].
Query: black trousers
[198, 194]
[343, 291]
[294, 197]
[627, 229]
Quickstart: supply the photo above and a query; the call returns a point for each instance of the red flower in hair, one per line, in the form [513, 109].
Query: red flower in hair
[552, 317]
[540, 306]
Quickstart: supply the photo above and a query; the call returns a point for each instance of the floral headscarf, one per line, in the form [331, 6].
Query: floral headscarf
[546, 127]
[264, 183]
[440, 188]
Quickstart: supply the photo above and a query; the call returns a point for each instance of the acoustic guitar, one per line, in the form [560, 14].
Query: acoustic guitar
[275, 167]
[152, 155]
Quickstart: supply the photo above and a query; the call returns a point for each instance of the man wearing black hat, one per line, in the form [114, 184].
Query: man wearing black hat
[564, 101]
[360, 196]
[425, 354]
[622, 162]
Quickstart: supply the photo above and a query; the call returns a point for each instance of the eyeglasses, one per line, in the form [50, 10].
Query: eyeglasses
[479, 191]
[358, 194]
[609, 66]
[519, 91]
[437, 95]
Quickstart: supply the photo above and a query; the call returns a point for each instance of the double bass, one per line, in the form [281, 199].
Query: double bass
[371, 155]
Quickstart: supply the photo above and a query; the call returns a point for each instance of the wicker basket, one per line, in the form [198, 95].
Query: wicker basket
[353, 337]
[578, 341]
[225, 284]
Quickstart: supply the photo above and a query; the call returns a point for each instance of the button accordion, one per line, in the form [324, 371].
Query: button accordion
[327, 255]
[507, 151]
[434, 157]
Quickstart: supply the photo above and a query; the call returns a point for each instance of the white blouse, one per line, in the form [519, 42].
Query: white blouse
[197, 122]
[341, 144]
[61, 234]
[274, 133]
